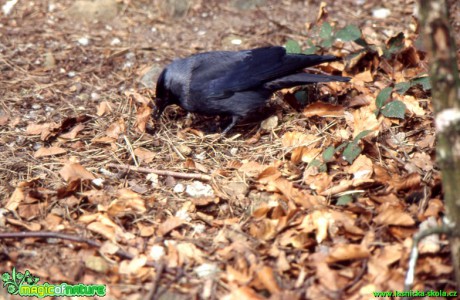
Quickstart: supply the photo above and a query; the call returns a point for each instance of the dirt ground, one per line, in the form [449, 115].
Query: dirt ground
[243, 217]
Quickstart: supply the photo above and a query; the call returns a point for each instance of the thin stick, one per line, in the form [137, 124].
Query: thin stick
[161, 172]
[63, 236]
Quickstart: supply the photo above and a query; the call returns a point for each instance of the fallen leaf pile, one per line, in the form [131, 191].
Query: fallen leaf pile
[321, 201]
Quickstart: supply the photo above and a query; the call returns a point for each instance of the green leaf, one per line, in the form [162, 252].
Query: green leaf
[326, 31]
[292, 47]
[322, 168]
[394, 109]
[314, 163]
[424, 81]
[301, 97]
[327, 43]
[383, 96]
[362, 43]
[328, 154]
[349, 33]
[344, 200]
[311, 50]
[395, 44]
[342, 146]
[402, 87]
[361, 135]
[351, 152]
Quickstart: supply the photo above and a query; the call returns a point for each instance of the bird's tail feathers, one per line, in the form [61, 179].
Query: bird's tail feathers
[302, 79]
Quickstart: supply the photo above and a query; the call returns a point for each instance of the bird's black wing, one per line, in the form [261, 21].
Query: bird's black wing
[220, 74]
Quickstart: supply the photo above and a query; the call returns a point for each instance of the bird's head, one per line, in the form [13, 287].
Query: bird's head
[162, 96]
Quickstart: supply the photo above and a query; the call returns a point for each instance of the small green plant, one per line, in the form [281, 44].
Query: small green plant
[327, 37]
[351, 150]
[393, 109]
[424, 81]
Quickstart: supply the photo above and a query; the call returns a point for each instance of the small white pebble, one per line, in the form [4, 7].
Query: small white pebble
[157, 252]
[84, 41]
[98, 182]
[199, 228]
[8, 7]
[200, 156]
[381, 13]
[199, 189]
[71, 74]
[207, 270]
[95, 96]
[115, 41]
[182, 214]
[51, 7]
[236, 41]
[179, 188]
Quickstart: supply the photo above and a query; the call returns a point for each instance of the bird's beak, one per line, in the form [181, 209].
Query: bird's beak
[159, 108]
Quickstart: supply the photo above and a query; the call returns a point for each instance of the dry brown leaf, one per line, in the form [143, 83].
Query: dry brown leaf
[95, 263]
[305, 154]
[134, 265]
[389, 254]
[435, 266]
[267, 278]
[364, 119]
[318, 221]
[269, 175]
[323, 110]
[139, 98]
[240, 293]
[105, 107]
[413, 105]
[392, 215]
[327, 277]
[34, 129]
[189, 253]
[74, 132]
[343, 252]
[42, 152]
[143, 115]
[16, 198]
[74, 171]
[128, 202]
[300, 197]
[252, 168]
[410, 181]
[360, 78]
[423, 161]
[106, 231]
[144, 155]
[3, 119]
[362, 168]
[169, 225]
[104, 140]
[145, 230]
[296, 139]
[264, 229]
[116, 128]
[30, 226]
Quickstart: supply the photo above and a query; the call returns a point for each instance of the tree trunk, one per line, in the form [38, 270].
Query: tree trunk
[446, 93]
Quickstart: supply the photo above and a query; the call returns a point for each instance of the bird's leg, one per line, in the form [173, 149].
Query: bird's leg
[234, 120]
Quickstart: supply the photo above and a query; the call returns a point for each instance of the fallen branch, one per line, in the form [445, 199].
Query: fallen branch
[57, 235]
[161, 172]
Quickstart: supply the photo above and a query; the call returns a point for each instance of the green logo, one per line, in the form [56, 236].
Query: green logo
[26, 285]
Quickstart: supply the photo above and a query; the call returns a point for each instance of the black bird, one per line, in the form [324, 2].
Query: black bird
[234, 83]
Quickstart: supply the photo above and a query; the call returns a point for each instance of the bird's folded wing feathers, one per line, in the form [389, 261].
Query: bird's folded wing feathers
[225, 73]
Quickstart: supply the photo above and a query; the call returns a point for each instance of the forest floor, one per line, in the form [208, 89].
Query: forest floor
[316, 200]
